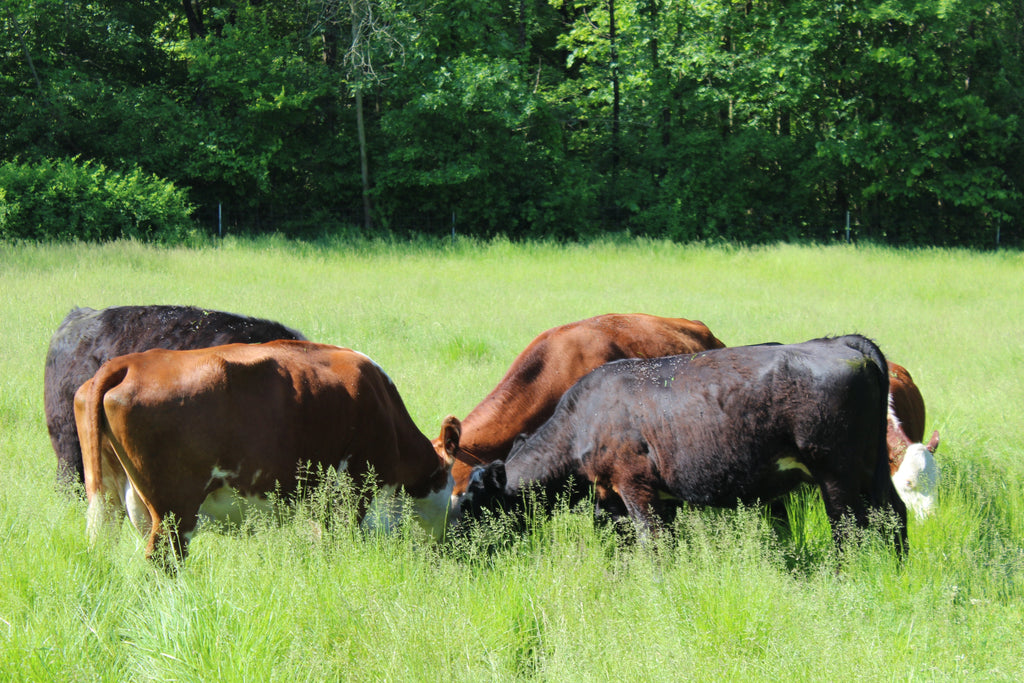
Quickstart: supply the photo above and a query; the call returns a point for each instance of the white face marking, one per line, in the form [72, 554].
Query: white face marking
[386, 510]
[784, 464]
[917, 480]
[433, 511]
[892, 413]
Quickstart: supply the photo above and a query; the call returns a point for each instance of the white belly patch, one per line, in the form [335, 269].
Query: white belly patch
[228, 505]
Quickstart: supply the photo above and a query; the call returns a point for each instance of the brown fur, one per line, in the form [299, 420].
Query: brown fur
[257, 412]
[87, 338]
[908, 404]
[528, 393]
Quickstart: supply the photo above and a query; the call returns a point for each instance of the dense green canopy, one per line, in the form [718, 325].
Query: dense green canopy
[689, 119]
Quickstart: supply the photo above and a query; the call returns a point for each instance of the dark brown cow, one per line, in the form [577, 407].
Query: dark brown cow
[527, 394]
[167, 431]
[740, 424]
[86, 339]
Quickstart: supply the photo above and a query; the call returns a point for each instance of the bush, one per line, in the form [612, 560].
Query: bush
[70, 200]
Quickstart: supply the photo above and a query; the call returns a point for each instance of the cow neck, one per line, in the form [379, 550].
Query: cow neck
[486, 445]
[470, 456]
[547, 456]
[418, 464]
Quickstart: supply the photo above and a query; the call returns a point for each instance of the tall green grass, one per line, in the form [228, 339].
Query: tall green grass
[727, 596]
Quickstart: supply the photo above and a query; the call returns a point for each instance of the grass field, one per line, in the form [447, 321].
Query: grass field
[727, 597]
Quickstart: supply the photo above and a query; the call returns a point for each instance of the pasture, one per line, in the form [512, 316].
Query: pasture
[729, 596]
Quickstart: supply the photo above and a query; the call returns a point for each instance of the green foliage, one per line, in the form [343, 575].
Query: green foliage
[695, 119]
[71, 200]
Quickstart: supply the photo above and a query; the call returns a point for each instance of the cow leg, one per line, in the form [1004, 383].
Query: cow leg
[153, 519]
[885, 496]
[839, 504]
[170, 535]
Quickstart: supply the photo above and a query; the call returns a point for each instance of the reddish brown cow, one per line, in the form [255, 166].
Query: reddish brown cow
[86, 339]
[528, 393]
[175, 431]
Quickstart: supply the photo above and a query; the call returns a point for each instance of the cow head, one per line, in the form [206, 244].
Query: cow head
[449, 446]
[917, 479]
[486, 489]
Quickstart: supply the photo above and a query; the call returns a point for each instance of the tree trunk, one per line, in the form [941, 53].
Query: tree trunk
[364, 166]
[194, 18]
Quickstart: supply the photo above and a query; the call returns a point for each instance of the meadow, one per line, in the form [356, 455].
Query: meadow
[726, 596]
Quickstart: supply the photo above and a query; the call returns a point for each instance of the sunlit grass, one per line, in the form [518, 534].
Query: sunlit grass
[731, 595]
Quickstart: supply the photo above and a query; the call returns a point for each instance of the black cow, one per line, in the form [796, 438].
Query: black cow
[88, 338]
[740, 424]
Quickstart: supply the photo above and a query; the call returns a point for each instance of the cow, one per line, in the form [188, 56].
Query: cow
[527, 394]
[182, 431]
[87, 338]
[911, 462]
[741, 424]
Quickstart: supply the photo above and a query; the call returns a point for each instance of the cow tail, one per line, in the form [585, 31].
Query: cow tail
[90, 419]
[884, 494]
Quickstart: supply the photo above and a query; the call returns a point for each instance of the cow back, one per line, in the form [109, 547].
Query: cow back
[531, 388]
[87, 338]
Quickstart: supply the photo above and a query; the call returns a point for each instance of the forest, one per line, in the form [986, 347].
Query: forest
[894, 121]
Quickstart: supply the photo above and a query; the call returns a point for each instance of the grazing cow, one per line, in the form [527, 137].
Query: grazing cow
[911, 462]
[737, 424]
[87, 338]
[527, 394]
[166, 431]
[906, 414]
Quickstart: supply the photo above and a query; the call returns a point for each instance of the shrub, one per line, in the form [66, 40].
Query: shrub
[66, 199]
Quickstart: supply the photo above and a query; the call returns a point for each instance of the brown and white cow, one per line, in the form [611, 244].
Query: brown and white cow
[911, 462]
[173, 431]
[744, 424]
[526, 396]
[87, 338]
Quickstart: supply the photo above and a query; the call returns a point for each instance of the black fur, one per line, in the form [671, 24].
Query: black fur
[712, 428]
[88, 338]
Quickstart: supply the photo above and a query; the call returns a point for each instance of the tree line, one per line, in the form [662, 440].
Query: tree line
[744, 120]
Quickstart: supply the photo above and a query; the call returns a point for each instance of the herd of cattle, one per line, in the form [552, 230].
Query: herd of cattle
[172, 410]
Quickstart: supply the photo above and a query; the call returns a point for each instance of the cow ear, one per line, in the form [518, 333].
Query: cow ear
[933, 442]
[451, 432]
